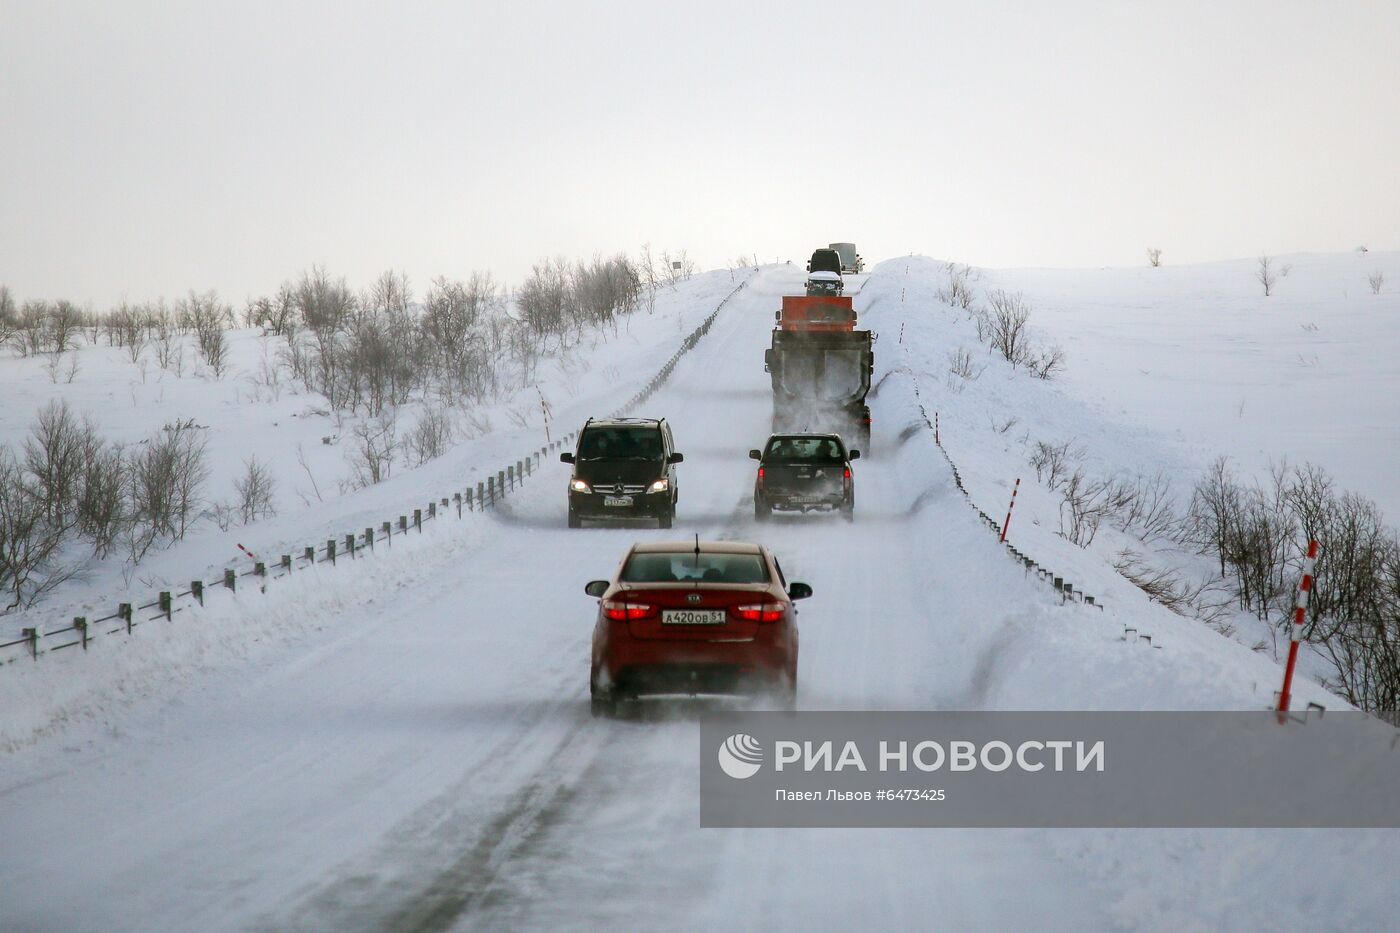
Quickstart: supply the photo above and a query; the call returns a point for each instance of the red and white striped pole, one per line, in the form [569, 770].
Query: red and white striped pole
[1007, 524]
[251, 556]
[1300, 612]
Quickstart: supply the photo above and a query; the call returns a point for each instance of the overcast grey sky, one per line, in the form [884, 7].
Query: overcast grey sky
[150, 148]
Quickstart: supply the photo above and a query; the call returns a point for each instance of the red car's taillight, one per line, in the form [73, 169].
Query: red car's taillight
[620, 611]
[760, 612]
[848, 472]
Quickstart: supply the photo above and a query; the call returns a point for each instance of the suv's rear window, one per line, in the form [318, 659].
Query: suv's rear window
[686, 566]
[629, 443]
[804, 450]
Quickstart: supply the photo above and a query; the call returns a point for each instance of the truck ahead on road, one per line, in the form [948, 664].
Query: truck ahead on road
[851, 262]
[820, 368]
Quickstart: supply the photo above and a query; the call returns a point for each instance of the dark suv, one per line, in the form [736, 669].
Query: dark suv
[803, 473]
[623, 468]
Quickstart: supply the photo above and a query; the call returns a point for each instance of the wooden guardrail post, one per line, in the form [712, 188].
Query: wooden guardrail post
[350, 546]
[167, 605]
[124, 613]
[230, 580]
[80, 624]
[330, 551]
[403, 524]
[457, 500]
[31, 635]
[197, 591]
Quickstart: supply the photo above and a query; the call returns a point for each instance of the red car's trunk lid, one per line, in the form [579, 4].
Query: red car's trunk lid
[690, 597]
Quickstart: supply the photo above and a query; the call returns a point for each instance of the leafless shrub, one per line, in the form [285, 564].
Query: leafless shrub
[1149, 509]
[430, 437]
[376, 443]
[30, 542]
[960, 364]
[54, 455]
[1007, 325]
[1045, 363]
[1266, 274]
[206, 317]
[1084, 504]
[102, 506]
[1052, 463]
[166, 484]
[168, 343]
[9, 320]
[1376, 279]
[257, 492]
[324, 306]
[958, 292]
[678, 268]
[544, 297]
[1154, 257]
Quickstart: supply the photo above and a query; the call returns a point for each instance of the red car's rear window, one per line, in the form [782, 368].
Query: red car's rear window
[687, 566]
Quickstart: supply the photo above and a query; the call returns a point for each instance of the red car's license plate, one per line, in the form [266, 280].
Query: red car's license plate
[692, 616]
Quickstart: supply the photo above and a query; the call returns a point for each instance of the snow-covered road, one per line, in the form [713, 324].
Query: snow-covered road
[429, 763]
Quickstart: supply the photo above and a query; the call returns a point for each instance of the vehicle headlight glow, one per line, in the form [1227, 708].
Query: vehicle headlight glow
[660, 485]
[579, 485]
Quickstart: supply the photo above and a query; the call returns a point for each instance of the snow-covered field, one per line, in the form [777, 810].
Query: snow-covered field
[405, 743]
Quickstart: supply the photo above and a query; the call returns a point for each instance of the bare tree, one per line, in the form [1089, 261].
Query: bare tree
[1266, 275]
[54, 454]
[372, 456]
[30, 543]
[102, 507]
[1376, 280]
[1154, 256]
[166, 485]
[1007, 325]
[257, 492]
[958, 292]
[207, 317]
[430, 437]
[9, 316]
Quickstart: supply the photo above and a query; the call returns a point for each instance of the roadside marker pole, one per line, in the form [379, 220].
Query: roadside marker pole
[250, 555]
[935, 430]
[1300, 611]
[1007, 524]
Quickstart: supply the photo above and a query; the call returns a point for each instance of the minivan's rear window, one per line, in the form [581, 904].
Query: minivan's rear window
[687, 566]
[625, 443]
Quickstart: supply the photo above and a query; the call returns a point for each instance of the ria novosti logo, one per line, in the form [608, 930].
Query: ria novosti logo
[741, 756]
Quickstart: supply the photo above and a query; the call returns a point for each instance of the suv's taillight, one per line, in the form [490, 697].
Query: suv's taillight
[759, 612]
[620, 611]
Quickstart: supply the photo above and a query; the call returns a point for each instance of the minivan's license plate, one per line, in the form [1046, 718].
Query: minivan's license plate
[617, 500]
[692, 616]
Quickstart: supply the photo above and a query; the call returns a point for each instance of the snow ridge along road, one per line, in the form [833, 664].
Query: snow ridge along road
[429, 763]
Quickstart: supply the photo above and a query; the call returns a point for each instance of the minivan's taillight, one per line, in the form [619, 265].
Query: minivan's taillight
[620, 611]
[760, 612]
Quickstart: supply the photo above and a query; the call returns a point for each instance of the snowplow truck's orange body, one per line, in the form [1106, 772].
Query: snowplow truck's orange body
[817, 313]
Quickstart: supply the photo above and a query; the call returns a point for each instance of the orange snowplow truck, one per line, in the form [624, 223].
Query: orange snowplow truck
[817, 313]
[820, 367]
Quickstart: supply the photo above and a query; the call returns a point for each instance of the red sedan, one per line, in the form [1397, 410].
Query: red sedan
[691, 618]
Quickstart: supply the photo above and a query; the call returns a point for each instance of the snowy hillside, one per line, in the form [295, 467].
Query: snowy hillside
[405, 743]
